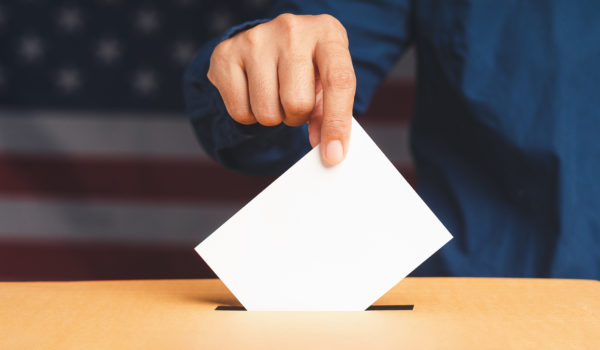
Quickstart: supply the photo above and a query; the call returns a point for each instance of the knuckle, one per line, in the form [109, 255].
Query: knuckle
[210, 75]
[267, 116]
[294, 122]
[220, 52]
[328, 19]
[219, 61]
[335, 127]
[289, 26]
[253, 37]
[298, 107]
[333, 30]
[219, 73]
[240, 115]
[287, 21]
[270, 121]
[341, 78]
[333, 27]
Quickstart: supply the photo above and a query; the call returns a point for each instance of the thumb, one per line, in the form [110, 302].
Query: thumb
[335, 137]
[339, 84]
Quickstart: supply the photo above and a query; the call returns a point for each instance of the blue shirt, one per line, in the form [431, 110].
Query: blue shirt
[505, 133]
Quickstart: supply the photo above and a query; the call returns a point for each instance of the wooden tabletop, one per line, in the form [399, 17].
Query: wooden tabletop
[449, 313]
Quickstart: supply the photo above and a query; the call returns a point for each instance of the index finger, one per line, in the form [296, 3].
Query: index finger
[339, 85]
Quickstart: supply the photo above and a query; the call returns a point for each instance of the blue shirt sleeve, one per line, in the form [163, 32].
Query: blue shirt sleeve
[378, 32]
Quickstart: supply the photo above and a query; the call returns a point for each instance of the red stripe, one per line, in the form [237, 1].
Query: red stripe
[127, 178]
[54, 260]
[392, 102]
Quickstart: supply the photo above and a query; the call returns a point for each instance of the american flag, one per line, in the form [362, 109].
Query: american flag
[100, 173]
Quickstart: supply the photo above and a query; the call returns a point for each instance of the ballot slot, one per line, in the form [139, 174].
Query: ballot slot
[390, 308]
[408, 307]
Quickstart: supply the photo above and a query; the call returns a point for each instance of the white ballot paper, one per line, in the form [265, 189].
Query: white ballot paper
[325, 238]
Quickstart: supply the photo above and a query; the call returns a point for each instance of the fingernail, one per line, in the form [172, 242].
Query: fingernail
[335, 152]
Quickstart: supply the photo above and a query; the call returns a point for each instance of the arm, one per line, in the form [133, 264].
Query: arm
[377, 33]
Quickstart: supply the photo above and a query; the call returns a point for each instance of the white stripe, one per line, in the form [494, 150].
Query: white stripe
[187, 224]
[92, 132]
[406, 67]
[68, 132]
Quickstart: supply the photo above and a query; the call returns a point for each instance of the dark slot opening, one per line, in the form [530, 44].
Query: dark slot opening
[230, 308]
[390, 307]
[370, 308]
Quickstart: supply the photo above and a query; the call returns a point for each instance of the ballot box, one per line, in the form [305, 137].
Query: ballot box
[418, 313]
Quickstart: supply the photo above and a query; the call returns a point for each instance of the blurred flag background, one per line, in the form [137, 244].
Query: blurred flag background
[100, 174]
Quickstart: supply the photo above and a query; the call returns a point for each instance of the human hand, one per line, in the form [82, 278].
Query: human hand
[294, 69]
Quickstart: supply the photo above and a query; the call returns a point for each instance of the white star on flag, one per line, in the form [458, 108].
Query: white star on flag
[183, 52]
[221, 20]
[108, 51]
[31, 48]
[70, 19]
[147, 21]
[68, 80]
[145, 82]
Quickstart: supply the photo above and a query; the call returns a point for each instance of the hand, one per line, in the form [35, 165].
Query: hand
[295, 70]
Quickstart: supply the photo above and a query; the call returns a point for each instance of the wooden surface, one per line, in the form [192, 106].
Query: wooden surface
[449, 313]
